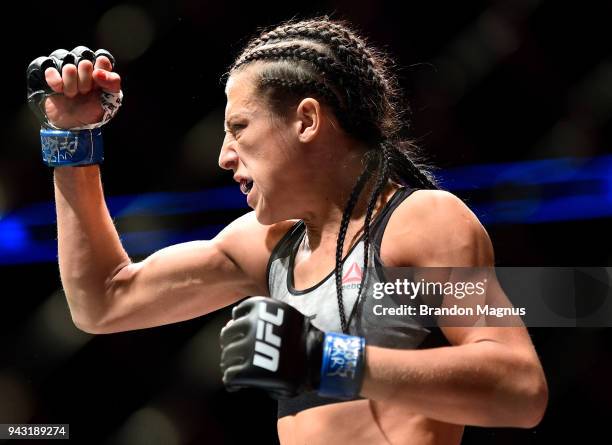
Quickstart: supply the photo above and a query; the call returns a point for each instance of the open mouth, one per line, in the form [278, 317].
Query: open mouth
[246, 186]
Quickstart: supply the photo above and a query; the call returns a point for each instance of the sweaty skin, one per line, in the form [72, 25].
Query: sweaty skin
[303, 166]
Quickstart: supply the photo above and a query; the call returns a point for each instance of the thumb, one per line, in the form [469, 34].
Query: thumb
[107, 80]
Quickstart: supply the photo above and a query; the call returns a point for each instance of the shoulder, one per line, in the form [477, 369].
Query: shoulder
[249, 244]
[246, 230]
[435, 228]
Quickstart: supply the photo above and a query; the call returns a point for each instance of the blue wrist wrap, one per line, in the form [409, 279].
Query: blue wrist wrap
[342, 366]
[71, 147]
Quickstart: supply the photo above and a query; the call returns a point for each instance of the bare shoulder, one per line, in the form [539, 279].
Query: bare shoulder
[435, 228]
[249, 244]
[248, 226]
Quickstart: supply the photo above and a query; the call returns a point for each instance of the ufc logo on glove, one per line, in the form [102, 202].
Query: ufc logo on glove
[272, 346]
[267, 340]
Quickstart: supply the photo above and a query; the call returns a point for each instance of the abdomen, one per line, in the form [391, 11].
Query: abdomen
[365, 422]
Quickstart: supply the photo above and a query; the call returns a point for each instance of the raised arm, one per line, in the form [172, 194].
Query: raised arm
[106, 291]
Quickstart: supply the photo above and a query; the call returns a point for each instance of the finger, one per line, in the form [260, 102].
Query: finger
[227, 325]
[102, 52]
[70, 78]
[83, 53]
[233, 355]
[54, 80]
[59, 56]
[244, 308]
[107, 80]
[103, 63]
[229, 377]
[85, 80]
[234, 332]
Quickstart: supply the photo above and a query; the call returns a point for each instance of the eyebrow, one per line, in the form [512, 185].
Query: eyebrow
[235, 116]
[238, 114]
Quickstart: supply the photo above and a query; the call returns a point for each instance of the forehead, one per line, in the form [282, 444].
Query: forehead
[239, 90]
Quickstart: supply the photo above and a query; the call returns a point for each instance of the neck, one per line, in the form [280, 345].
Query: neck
[323, 225]
[327, 177]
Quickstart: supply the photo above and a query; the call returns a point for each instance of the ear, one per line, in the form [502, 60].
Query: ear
[308, 122]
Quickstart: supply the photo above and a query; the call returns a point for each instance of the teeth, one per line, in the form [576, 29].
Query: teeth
[246, 186]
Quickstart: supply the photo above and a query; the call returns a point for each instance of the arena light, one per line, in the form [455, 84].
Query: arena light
[127, 29]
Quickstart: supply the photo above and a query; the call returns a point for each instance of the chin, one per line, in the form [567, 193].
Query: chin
[267, 217]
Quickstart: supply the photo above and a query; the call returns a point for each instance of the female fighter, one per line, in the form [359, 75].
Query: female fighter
[315, 139]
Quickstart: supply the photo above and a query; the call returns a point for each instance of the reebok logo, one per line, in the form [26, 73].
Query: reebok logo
[267, 343]
[352, 275]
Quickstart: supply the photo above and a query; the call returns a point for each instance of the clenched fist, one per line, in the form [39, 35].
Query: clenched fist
[74, 89]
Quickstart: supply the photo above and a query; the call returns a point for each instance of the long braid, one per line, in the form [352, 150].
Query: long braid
[381, 182]
[405, 171]
[346, 217]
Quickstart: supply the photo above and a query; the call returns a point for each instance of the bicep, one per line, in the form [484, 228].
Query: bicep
[177, 283]
[506, 329]
[515, 337]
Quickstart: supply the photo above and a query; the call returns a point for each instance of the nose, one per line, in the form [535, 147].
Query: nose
[228, 158]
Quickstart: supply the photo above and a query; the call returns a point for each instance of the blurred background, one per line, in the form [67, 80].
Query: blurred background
[511, 102]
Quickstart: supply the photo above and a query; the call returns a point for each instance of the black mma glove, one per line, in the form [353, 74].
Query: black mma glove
[74, 146]
[38, 89]
[272, 346]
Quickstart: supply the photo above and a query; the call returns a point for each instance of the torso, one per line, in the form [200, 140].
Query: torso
[364, 422]
[359, 421]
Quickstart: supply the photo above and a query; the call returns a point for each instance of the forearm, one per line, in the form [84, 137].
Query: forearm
[90, 251]
[483, 384]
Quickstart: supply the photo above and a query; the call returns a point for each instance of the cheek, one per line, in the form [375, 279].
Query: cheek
[269, 156]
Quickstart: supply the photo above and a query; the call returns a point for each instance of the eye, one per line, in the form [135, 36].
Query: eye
[234, 129]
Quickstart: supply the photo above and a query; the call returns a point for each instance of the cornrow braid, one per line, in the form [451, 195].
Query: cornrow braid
[323, 63]
[353, 71]
[292, 51]
[303, 87]
[322, 30]
[326, 67]
[347, 47]
[354, 54]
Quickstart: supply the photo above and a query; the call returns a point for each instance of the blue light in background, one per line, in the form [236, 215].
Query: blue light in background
[528, 173]
[13, 234]
[562, 189]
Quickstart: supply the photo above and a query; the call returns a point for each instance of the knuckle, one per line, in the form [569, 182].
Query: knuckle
[83, 53]
[85, 65]
[104, 54]
[69, 70]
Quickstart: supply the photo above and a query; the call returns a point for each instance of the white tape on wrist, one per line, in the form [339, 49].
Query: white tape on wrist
[110, 103]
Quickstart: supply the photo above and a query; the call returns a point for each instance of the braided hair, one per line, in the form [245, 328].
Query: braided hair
[327, 60]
